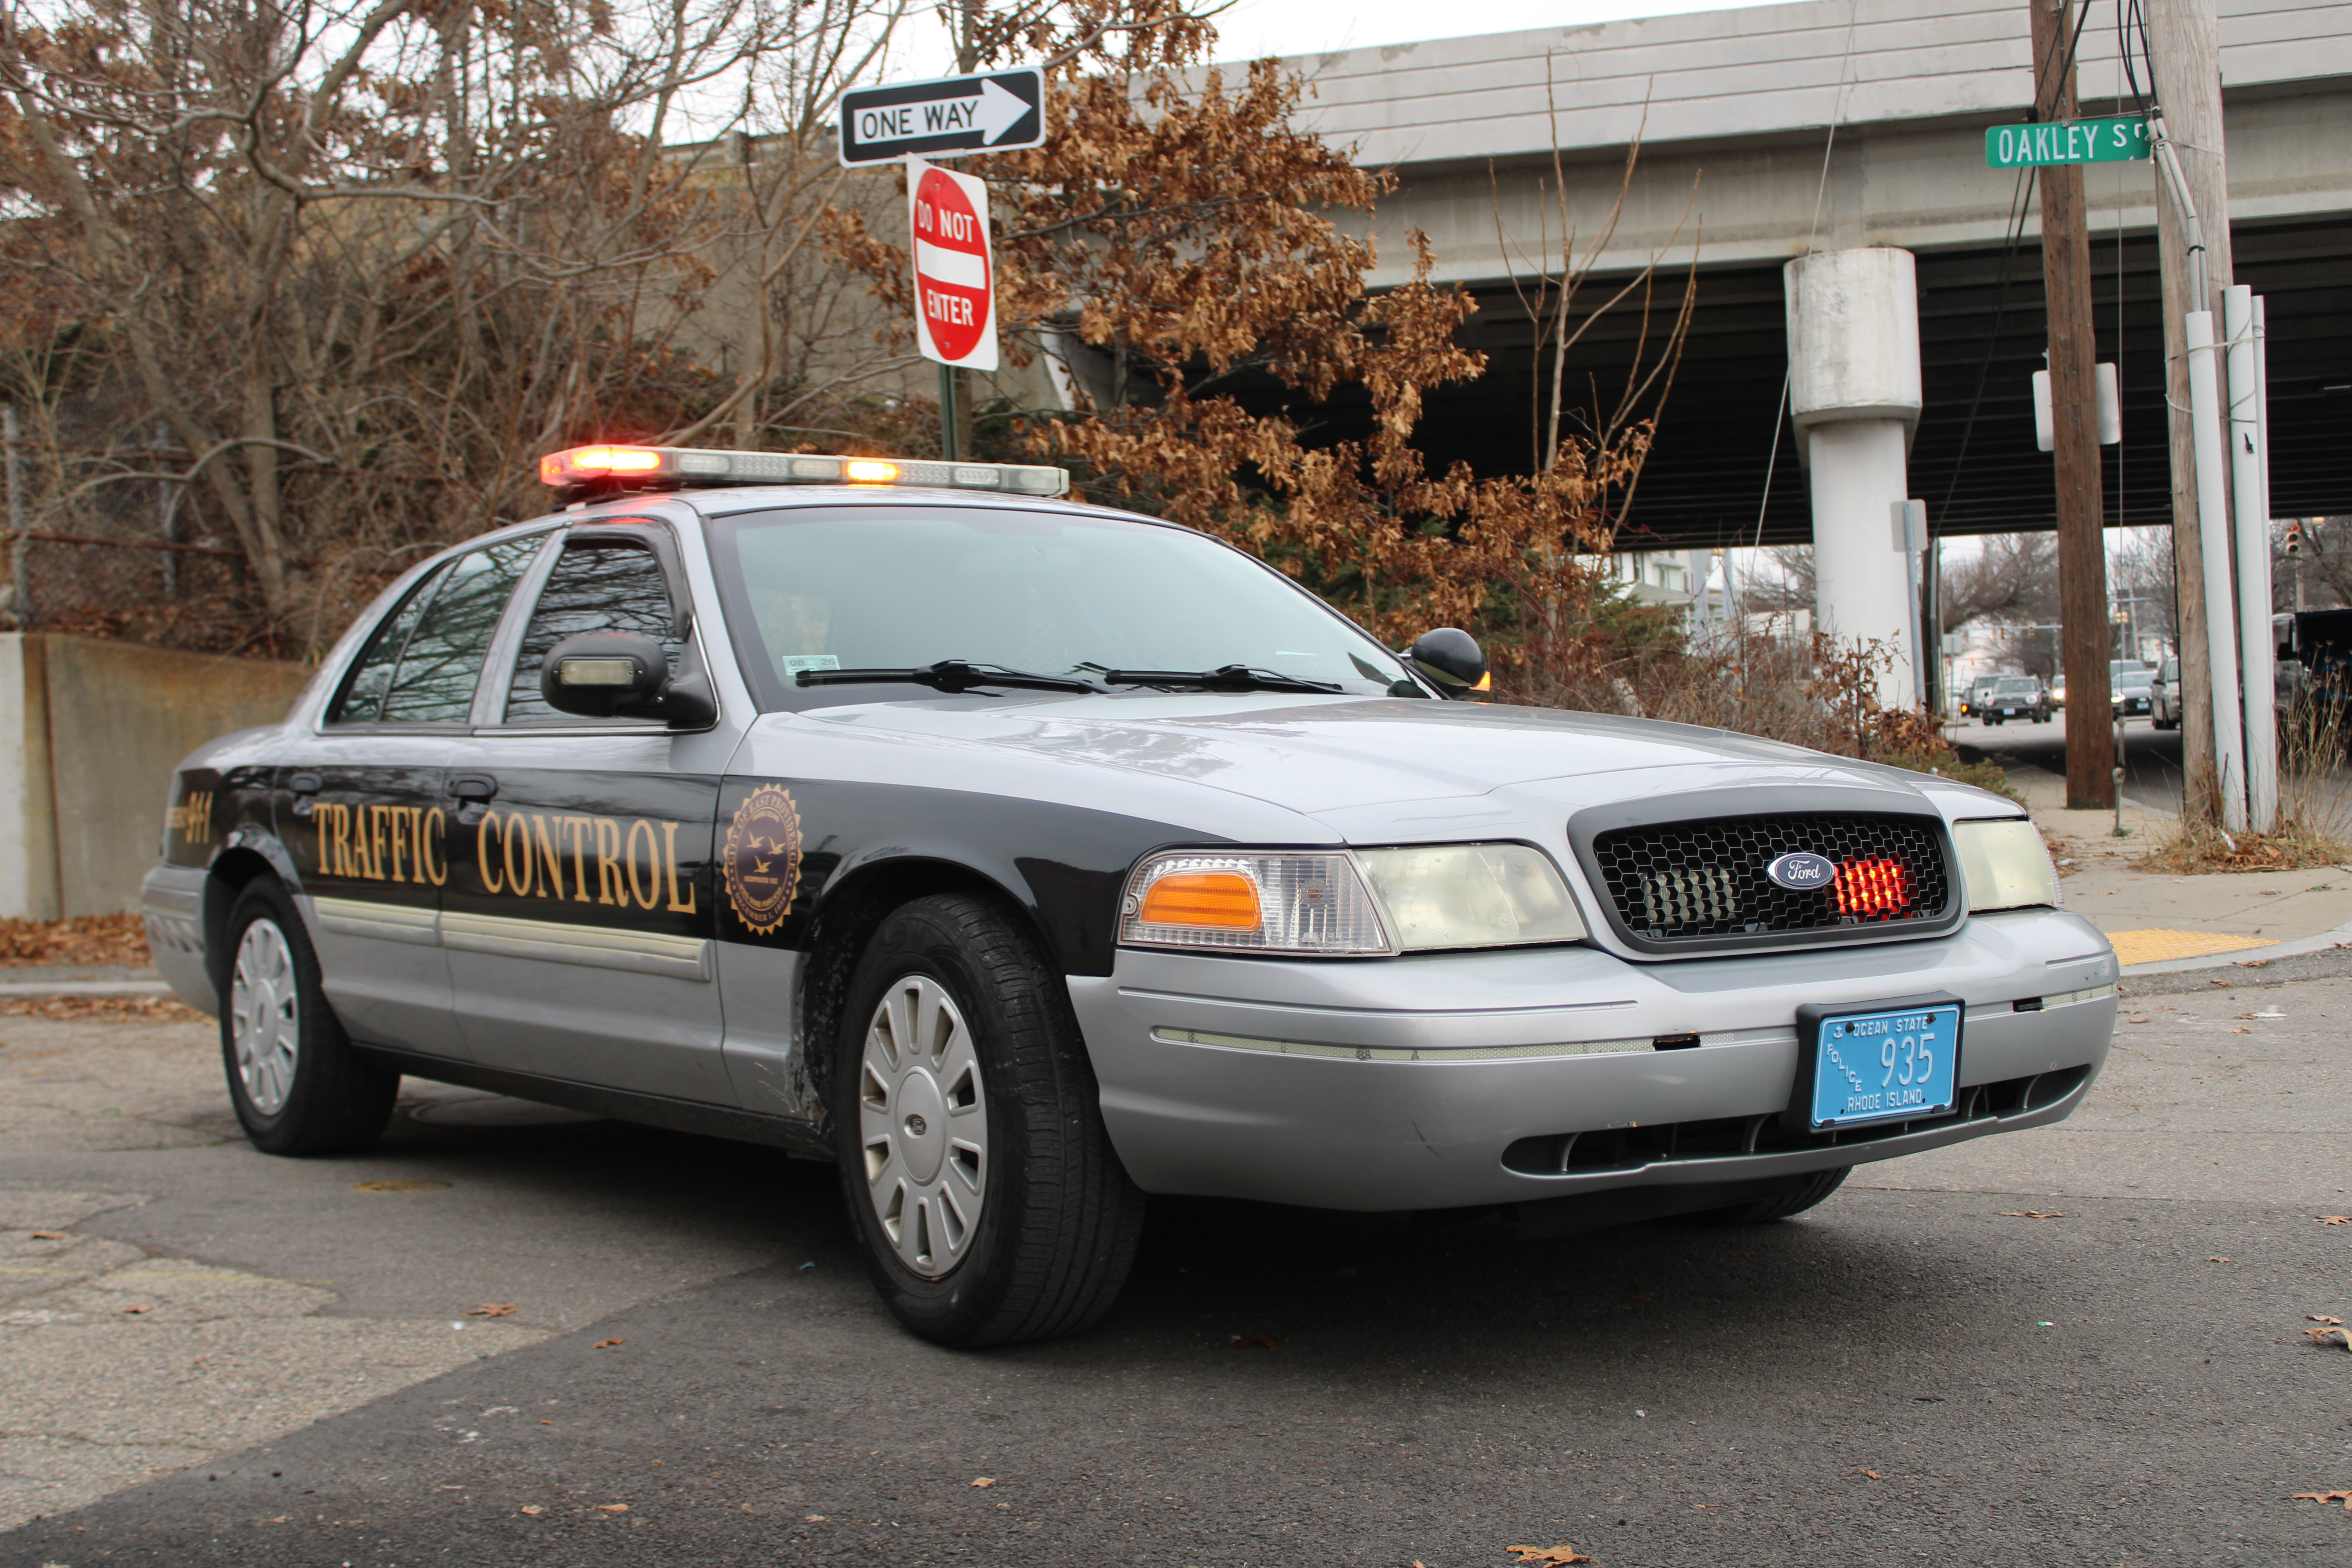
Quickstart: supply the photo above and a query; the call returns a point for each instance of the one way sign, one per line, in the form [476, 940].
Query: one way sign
[990, 113]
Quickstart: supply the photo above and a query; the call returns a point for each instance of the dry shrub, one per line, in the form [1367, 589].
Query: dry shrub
[2315, 820]
[1813, 691]
[85, 939]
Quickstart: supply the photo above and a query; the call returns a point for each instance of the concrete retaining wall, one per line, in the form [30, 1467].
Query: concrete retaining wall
[89, 730]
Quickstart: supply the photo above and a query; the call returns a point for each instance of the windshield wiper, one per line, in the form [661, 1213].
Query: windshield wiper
[951, 675]
[1224, 678]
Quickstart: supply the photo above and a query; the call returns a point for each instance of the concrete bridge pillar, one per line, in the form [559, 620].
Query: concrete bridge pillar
[1854, 392]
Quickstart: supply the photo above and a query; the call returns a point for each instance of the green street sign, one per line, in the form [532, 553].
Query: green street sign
[2067, 142]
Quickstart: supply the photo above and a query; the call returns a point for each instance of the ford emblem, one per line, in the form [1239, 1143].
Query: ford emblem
[1803, 870]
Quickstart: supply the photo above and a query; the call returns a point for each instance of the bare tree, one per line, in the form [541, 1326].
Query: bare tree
[362, 260]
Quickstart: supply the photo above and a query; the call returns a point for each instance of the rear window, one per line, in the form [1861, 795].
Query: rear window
[2017, 688]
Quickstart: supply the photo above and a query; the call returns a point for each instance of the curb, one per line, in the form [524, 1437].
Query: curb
[84, 988]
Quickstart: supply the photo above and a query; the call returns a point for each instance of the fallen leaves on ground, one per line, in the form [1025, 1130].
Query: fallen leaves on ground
[49, 1236]
[1549, 1553]
[983, 1480]
[493, 1309]
[110, 940]
[136, 1310]
[2033, 1213]
[612, 1508]
[2316, 1317]
[1874, 1475]
[533, 1509]
[2220, 1260]
[2322, 1499]
[608, 1345]
[2240, 1029]
[2330, 1337]
[144, 1009]
[812, 1519]
[2333, 1218]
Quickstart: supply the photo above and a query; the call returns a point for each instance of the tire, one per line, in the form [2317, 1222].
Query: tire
[1764, 1211]
[999, 1062]
[298, 1086]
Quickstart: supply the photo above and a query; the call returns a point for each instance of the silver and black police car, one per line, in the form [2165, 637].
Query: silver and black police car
[1027, 858]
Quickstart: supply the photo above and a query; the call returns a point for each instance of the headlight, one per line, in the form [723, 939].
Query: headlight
[1471, 895]
[2006, 865]
[1337, 904]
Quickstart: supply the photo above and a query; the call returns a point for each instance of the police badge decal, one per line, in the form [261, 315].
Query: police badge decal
[763, 859]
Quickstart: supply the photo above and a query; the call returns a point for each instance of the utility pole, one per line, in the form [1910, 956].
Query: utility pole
[2184, 43]
[2074, 412]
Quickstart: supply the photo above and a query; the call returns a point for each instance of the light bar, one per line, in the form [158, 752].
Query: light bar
[676, 467]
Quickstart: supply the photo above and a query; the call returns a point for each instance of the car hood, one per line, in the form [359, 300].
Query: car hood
[1367, 768]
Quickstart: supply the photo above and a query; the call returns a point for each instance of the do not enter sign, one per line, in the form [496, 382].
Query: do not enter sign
[955, 294]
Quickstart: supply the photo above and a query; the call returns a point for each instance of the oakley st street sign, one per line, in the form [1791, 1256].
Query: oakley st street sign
[958, 114]
[2067, 142]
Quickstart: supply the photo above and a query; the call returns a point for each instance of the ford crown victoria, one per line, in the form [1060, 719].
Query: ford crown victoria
[1027, 858]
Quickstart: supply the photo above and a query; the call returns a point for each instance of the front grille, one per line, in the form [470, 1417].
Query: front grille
[1691, 882]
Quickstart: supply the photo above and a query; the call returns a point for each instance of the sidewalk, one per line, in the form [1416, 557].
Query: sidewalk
[2161, 922]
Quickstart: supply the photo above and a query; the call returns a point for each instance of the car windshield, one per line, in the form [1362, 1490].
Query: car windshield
[876, 587]
[2015, 688]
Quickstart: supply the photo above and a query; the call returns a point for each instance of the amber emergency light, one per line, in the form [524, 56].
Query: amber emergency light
[579, 472]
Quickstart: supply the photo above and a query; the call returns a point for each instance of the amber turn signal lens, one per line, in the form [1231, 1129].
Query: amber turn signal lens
[867, 471]
[1226, 900]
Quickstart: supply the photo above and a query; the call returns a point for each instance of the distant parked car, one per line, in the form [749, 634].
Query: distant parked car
[2164, 695]
[2127, 685]
[2016, 696]
[1972, 701]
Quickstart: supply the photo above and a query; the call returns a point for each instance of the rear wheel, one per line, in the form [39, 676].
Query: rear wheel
[981, 1182]
[297, 1085]
[1763, 1211]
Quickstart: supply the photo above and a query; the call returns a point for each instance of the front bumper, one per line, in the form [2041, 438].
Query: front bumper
[1456, 1080]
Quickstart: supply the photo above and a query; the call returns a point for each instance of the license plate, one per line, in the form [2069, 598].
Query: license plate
[1893, 1065]
[2009, 713]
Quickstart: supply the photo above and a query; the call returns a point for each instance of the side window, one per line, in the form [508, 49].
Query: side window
[595, 587]
[363, 698]
[423, 663]
[442, 662]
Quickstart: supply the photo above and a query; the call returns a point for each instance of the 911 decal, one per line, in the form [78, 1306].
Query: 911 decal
[763, 859]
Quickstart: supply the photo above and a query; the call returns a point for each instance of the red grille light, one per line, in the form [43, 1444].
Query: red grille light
[1873, 889]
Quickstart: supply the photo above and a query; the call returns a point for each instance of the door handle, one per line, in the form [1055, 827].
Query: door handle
[306, 783]
[476, 787]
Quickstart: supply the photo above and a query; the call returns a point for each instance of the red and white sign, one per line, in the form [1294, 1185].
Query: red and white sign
[955, 293]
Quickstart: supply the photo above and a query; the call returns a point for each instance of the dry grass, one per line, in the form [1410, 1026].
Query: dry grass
[2315, 827]
[86, 939]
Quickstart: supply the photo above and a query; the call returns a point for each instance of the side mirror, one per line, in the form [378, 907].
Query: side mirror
[1450, 659]
[621, 675]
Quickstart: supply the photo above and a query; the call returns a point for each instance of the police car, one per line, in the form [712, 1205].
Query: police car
[1027, 858]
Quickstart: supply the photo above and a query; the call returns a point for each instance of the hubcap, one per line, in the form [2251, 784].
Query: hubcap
[923, 1125]
[265, 1016]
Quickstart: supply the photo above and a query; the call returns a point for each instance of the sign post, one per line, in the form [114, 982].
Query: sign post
[955, 292]
[996, 112]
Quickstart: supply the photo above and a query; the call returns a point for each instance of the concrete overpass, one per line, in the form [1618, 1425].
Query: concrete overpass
[1742, 103]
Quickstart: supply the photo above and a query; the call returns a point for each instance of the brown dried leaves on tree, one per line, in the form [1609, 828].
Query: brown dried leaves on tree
[1175, 247]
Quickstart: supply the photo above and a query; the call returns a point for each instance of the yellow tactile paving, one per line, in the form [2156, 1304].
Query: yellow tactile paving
[2152, 946]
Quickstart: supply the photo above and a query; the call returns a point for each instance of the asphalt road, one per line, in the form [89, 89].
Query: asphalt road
[1921, 1370]
[2151, 756]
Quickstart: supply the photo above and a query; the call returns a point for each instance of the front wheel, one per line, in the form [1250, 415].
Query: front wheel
[297, 1086]
[980, 1179]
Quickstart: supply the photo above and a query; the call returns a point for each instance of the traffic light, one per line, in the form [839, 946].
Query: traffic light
[2294, 539]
